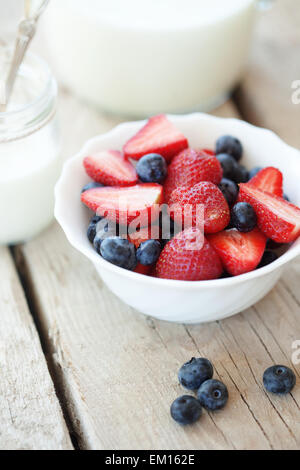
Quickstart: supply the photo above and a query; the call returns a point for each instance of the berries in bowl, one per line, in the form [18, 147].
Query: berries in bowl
[179, 214]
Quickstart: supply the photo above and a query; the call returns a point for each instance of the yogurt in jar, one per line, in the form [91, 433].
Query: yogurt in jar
[141, 57]
[30, 160]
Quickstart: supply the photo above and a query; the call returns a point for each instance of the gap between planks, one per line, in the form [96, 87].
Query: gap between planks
[30, 414]
[117, 369]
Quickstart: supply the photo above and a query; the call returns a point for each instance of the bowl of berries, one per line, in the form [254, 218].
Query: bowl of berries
[186, 218]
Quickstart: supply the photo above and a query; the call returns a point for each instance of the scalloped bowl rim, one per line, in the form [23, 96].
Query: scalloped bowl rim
[87, 250]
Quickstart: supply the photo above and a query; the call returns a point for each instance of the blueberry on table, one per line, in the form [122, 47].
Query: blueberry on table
[230, 190]
[279, 379]
[194, 372]
[186, 409]
[91, 185]
[213, 395]
[268, 258]
[231, 145]
[243, 217]
[152, 168]
[119, 251]
[254, 172]
[92, 228]
[228, 165]
[148, 252]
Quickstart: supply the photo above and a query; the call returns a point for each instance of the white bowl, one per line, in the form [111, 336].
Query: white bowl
[182, 301]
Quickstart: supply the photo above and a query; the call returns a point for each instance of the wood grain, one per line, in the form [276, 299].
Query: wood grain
[30, 414]
[118, 368]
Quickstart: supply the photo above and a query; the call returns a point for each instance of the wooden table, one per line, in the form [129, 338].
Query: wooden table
[81, 369]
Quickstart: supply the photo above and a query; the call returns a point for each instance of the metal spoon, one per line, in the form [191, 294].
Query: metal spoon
[26, 32]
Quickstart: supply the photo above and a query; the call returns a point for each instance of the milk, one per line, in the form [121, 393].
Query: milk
[140, 57]
[28, 173]
[30, 160]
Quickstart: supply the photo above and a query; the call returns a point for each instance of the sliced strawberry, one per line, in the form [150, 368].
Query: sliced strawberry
[159, 135]
[125, 204]
[141, 269]
[239, 252]
[209, 152]
[190, 167]
[277, 218]
[110, 168]
[188, 207]
[146, 233]
[268, 179]
[189, 257]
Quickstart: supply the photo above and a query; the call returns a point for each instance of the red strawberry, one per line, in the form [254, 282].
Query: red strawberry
[277, 218]
[141, 269]
[240, 252]
[190, 167]
[186, 206]
[110, 168]
[125, 204]
[189, 257]
[268, 179]
[159, 135]
[146, 233]
[209, 152]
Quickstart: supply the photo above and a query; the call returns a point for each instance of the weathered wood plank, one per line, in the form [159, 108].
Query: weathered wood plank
[118, 368]
[30, 414]
[265, 95]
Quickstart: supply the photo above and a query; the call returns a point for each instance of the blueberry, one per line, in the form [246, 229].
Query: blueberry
[286, 198]
[268, 258]
[92, 228]
[230, 145]
[243, 217]
[152, 168]
[240, 174]
[148, 252]
[186, 409]
[279, 379]
[230, 190]
[213, 395]
[104, 229]
[271, 245]
[119, 251]
[193, 373]
[91, 185]
[254, 171]
[225, 275]
[228, 164]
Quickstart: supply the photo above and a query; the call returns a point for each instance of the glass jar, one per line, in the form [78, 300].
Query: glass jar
[30, 160]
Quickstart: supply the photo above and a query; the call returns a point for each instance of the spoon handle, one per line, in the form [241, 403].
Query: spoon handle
[25, 34]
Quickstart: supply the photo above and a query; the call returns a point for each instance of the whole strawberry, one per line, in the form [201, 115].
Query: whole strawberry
[190, 167]
[189, 257]
[202, 203]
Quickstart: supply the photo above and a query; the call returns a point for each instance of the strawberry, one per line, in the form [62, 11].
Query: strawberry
[189, 257]
[209, 152]
[146, 233]
[277, 218]
[124, 204]
[185, 207]
[239, 252]
[141, 269]
[160, 136]
[268, 179]
[190, 167]
[110, 168]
